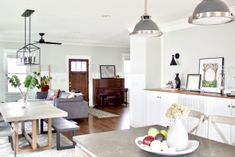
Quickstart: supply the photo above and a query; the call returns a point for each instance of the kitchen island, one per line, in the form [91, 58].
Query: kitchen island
[122, 144]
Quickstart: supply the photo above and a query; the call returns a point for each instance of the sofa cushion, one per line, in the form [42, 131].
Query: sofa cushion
[65, 100]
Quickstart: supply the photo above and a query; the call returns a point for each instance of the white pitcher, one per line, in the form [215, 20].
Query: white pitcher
[177, 135]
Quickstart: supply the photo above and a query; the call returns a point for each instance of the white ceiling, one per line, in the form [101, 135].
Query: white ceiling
[81, 21]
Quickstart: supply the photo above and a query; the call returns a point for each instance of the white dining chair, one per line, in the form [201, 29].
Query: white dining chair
[7, 131]
[213, 120]
[201, 119]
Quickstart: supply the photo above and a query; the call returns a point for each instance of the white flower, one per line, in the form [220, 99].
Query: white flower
[177, 111]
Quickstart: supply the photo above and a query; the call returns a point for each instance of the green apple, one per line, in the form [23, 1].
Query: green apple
[164, 133]
[153, 132]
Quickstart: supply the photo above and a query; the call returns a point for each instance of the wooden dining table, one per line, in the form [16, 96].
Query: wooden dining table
[20, 112]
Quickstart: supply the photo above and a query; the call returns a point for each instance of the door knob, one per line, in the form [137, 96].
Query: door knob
[229, 106]
[233, 106]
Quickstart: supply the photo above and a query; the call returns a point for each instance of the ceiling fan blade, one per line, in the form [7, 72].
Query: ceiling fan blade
[55, 43]
[42, 41]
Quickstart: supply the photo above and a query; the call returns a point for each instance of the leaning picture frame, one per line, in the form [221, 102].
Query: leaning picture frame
[193, 82]
[107, 71]
[212, 74]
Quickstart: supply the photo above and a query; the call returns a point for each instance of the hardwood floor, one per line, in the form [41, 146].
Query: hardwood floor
[94, 125]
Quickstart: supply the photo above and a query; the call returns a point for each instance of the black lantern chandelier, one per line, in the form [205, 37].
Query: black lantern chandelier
[29, 54]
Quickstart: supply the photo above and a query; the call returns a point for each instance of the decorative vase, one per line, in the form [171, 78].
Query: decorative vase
[25, 96]
[177, 135]
[45, 88]
[177, 81]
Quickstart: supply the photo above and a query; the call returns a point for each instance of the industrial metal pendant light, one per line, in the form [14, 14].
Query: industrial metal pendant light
[211, 12]
[146, 26]
[29, 54]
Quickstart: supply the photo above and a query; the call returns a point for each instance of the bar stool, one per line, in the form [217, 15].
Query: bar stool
[201, 119]
[214, 119]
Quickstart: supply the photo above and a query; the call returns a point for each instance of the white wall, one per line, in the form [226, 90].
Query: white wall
[153, 63]
[200, 42]
[57, 56]
[145, 55]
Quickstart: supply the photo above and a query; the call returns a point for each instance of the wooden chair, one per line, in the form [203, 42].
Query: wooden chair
[213, 119]
[201, 119]
[7, 131]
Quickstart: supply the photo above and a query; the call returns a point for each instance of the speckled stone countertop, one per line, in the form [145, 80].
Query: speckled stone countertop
[122, 144]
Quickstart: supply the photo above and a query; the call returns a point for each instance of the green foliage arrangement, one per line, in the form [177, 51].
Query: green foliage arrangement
[43, 80]
[30, 82]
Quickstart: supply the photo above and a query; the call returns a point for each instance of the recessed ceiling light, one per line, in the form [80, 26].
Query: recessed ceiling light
[106, 16]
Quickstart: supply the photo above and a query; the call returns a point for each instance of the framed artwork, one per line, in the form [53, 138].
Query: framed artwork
[211, 70]
[193, 82]
[107, 71]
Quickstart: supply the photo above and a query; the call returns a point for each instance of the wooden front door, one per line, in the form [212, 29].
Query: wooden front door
[78, 76]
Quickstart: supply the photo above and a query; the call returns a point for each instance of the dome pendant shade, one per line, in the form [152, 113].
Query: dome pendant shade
[146, 27]
[211, 12]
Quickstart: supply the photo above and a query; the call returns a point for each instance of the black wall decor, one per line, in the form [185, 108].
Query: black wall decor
[173, 60]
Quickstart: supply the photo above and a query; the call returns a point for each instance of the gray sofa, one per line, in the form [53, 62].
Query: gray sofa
[75, 106]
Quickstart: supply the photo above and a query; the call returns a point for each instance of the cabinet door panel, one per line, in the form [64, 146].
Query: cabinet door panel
[153, 107]
[233, 127]
[219, 106]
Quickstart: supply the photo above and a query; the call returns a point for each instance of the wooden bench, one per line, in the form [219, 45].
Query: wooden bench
[62, 125]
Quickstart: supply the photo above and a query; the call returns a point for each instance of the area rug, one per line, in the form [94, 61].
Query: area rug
[101, 114]
[6, 151]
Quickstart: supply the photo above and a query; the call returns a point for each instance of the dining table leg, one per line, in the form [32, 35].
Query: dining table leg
[49, 123]
[23, 127]
[16, 140]
[34, 134]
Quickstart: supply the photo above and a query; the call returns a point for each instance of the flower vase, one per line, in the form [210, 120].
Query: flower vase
[24, 101]
[177, 135]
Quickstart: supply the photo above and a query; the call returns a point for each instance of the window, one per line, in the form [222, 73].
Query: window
[78, 66]
[14, 69]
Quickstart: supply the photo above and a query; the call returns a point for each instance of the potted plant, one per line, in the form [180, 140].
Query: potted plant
[30, 82]
[44, 82]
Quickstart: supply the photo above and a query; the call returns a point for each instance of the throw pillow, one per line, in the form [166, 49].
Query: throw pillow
[50, 94]
[71, 96]
[63, 95]
[53, 94]
[57, 94]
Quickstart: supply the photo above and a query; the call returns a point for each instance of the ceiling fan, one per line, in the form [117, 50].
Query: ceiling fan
[42, 41]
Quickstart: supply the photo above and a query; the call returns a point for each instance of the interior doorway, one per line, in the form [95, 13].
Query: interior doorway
[79, 76]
